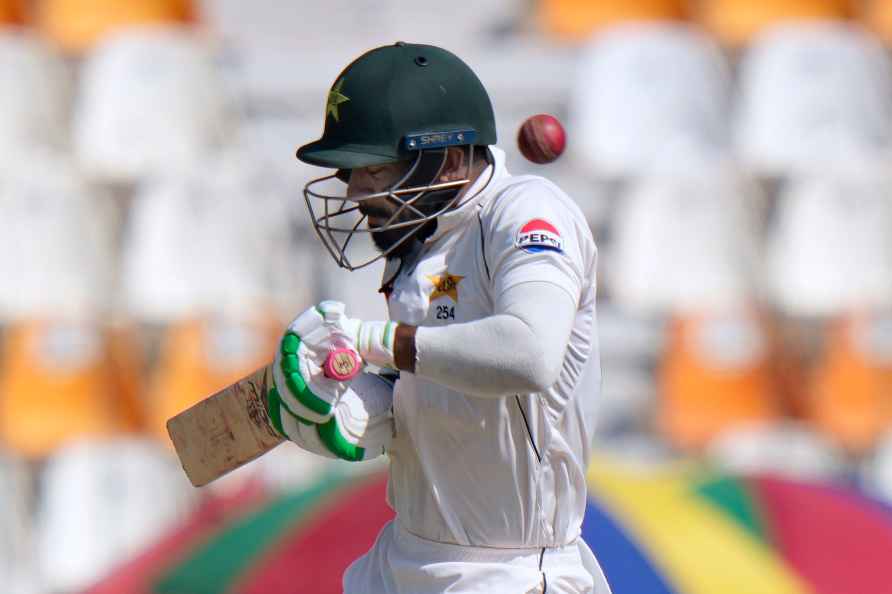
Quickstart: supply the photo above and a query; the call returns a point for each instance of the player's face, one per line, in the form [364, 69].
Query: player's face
[433, 167]
[372, 180]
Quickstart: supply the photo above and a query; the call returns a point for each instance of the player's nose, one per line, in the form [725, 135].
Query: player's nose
[376, 210]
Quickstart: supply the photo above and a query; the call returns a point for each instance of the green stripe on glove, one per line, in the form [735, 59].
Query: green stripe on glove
[295, 381]
[331, 436]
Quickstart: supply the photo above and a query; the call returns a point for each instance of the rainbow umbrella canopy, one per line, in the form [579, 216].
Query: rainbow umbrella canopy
[695, 531]
[678, 530]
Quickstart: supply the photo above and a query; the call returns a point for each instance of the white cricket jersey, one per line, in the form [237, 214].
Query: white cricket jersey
[507, 471]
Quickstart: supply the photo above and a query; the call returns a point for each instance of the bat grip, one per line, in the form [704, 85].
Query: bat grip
[342, 364]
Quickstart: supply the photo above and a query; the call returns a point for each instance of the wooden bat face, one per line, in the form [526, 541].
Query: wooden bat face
[226, 430]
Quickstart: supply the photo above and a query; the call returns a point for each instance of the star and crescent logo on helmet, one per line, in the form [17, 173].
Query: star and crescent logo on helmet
[538, 235]
[335, 98]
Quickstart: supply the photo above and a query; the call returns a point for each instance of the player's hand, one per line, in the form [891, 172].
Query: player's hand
[299, 368]
[361, 427]
[372, 340]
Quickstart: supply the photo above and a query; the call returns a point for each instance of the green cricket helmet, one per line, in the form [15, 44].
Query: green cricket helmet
[397, 103]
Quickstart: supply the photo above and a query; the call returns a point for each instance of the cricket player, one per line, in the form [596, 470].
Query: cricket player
[490, 287]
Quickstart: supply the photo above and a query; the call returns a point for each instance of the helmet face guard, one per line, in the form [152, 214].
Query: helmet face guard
[337, 218]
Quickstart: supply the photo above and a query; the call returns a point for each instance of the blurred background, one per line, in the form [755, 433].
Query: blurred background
[731, 156]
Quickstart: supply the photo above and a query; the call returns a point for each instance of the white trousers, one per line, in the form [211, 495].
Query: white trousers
[402, 563]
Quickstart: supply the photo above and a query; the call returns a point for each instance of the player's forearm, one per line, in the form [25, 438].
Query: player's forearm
[519, 350]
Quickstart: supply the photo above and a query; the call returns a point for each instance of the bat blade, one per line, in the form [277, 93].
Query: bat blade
[226, 430]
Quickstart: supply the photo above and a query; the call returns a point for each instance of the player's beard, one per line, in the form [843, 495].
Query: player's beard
[429, 204]
[385, 240]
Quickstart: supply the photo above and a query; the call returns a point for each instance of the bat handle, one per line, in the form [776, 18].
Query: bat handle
[342, 364]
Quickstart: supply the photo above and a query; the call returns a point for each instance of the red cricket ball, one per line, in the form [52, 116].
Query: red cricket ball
[541, 138]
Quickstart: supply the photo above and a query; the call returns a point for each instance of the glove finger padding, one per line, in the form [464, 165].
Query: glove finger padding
[305, 391]
[361, 426]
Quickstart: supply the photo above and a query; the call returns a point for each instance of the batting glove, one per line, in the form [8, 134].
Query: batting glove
[299, 370]
[361, 426]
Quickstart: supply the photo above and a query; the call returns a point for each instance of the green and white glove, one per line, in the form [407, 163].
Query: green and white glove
[305, 391]
[361, 426]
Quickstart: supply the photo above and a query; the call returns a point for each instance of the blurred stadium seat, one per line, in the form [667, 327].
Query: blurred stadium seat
[876, 472]
[646, 93]
[876, 15]
[783, 448]
[15, 535]
[716, 374]
[78, 25]
[12, 12]
[830, 249]
[201, 356]
[737, 22]
[576, 20]
[357, 289]
[34, 116]
[813, 96]
[226, 237]
[56, 385]
[152, 101]
[628, 338]
[685, 242]
[58, 243]
[627, 399]
[102, 501]
[851, 390]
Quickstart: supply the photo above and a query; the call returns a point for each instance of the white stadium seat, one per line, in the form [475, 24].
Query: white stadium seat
[35, 102]
[57, 242]
[16, 568]
[812, 95]
[627, 399]
[221, 238]
[831, 249]
[151, 101]
[645, 93]
[103, 502]
[877, 470]
[361, 24]
[685, 242]
[358, 289]
[785, 449]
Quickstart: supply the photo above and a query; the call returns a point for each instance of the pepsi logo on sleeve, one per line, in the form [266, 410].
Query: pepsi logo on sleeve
[538, 235]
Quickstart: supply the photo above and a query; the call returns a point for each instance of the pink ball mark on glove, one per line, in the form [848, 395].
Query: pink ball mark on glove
[342, 364]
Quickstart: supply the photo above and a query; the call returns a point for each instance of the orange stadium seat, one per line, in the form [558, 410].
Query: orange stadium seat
[57, 385]
[736, 22]
[578, 19]
[12, 12]
[851, 397]
[77, 25]
[199, 357]
[877, 16]
[716, 374]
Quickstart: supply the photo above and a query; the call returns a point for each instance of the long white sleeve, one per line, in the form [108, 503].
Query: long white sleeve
[518, 350]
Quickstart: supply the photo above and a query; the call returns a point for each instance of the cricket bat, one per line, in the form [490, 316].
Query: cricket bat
[232, 427]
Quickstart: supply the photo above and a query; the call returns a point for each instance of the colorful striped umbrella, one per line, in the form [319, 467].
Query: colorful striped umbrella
[300, 542]
[693, 531]
[679, 530]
